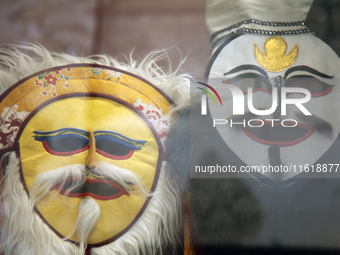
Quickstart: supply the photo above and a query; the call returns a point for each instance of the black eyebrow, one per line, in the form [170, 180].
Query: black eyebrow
[245, 67]
[292, 78]
[250, 75]
[307, 69]
[244, 76]
[118, 136]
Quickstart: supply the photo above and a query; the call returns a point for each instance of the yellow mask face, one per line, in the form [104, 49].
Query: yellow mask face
[87, 129]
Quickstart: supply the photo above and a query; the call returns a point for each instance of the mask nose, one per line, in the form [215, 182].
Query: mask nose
[90, 160]
[277, 113]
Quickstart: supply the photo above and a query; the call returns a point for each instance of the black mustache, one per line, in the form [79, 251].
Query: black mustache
[247, 116]
[319, 124]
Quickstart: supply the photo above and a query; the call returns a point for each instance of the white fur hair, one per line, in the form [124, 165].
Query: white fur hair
[88, 216]
[46, 181]
[23, 231]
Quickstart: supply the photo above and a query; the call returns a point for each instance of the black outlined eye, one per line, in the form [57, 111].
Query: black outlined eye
[316, 87]
[114, 148]
[70, 141]
[250, 80]
[64, 145]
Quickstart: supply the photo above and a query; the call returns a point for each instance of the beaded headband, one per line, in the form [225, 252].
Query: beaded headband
[241, 28]
[228, 18]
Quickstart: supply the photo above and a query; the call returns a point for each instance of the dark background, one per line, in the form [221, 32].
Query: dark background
[302, 216]
[86, 27]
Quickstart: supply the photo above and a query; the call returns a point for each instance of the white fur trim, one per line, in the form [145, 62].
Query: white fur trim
[23, 231]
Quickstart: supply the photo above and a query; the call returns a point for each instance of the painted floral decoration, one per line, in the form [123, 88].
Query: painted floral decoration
[105, 74]
[48, 81]
[160, 122]
[10, 122]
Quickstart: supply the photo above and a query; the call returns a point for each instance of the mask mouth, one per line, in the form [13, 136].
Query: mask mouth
[101, 189]
[276, 134]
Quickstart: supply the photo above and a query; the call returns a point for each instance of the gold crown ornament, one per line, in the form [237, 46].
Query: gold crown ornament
[275, 58]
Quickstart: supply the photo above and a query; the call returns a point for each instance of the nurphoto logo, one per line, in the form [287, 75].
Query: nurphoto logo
[279, 104]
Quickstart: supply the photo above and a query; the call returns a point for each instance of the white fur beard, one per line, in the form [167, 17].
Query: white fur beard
[23, 231]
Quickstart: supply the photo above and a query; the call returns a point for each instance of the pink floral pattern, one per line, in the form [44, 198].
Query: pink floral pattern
[97, 72]
[113, 76]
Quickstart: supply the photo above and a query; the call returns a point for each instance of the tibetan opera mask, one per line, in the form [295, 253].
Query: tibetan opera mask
[264, 64]
[86, 131]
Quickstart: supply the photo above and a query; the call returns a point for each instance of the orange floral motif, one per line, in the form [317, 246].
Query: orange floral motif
[48, 81]
[51, 79]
